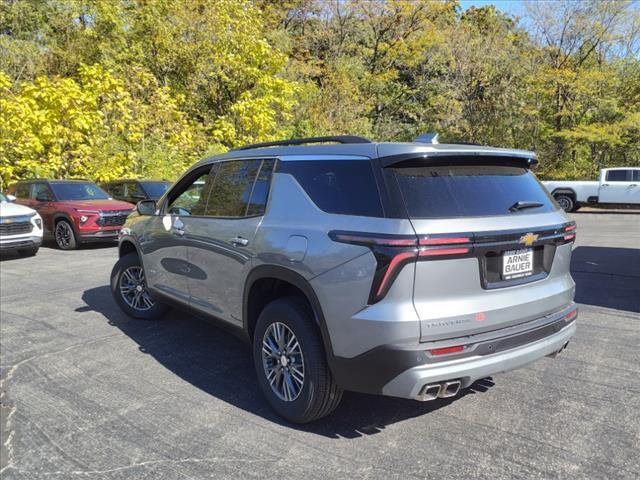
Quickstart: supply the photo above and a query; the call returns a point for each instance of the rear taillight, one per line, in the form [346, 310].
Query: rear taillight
[571, 315]
[569, 233]
[393, 252]
[439, 245]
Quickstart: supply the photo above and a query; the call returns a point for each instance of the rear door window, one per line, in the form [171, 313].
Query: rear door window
[346, 187]
[619, 176]
[636, 175]
[232, 189]
[442, 191]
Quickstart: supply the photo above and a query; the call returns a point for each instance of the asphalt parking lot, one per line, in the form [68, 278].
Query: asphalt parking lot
[90, 393]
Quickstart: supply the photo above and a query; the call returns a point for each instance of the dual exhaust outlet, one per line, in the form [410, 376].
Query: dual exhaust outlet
[439, 390]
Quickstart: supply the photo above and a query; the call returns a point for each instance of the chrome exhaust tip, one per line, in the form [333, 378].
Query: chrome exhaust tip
[450, 389]
[430, 392]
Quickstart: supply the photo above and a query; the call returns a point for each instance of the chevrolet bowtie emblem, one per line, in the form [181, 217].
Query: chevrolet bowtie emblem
[528, 239]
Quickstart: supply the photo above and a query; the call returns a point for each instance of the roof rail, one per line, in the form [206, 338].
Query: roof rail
[431, 137]
[301, 141]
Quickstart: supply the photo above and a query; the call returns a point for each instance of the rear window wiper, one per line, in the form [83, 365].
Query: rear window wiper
[523, 205]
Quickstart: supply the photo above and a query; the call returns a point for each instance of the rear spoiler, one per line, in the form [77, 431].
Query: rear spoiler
[508, 159]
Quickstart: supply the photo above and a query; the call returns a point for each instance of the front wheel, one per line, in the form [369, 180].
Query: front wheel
[65, 236]
[291, 364]
[129, 289]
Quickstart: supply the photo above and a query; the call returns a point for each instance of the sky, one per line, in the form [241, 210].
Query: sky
[514, 7]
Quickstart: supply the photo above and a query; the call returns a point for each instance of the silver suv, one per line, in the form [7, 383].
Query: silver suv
[402, 269]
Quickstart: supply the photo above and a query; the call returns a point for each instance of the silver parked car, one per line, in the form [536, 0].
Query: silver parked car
[402, 269]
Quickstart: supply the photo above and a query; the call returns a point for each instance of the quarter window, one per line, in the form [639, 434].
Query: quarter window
[346, 187]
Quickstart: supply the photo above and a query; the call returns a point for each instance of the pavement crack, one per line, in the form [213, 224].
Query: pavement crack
[8, 410]
[148, 463]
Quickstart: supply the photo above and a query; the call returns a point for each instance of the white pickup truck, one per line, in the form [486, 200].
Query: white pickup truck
[616, 187]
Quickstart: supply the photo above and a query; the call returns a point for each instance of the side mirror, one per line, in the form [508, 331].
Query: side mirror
[11, 198]
[146, 207]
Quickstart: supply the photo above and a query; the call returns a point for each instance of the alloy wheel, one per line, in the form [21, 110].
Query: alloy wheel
[63, 234]
[283, 361]
[133, 289]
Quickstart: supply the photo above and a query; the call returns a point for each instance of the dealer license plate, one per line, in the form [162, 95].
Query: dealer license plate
[517, 263]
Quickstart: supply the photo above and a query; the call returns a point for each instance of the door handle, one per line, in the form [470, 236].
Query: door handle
[236, 241]
[604, 185]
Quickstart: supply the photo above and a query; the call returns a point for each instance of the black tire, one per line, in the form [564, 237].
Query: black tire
[28, 252]
[566, 202]
[319, 394]
[65, 236]
[120, 276]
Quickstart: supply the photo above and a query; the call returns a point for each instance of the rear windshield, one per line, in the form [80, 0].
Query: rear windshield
[78, 191]
[470, 191]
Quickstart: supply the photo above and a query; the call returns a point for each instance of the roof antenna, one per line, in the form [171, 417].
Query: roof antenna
[431, 137]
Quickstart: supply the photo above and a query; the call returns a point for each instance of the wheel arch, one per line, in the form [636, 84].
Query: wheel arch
[126, 247]
[56, 217]
[565, 191]
[257, 293]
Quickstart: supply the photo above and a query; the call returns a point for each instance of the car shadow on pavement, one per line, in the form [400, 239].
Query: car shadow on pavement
[220, 364]
[607, 277]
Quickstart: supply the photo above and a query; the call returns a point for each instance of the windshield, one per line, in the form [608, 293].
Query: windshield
[3, 199]
[471, 190]
[78, 191]
[155, 189]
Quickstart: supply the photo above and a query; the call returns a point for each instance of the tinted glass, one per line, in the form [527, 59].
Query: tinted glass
[617, 176]
[78, 191]
[461, 191]
[192, 199]
[231, 191]
[135, 191]
[636, 175]
[116, 189]
[346, 187]
[22, 190]
[155, 189]
[41, 192]
[261, 187]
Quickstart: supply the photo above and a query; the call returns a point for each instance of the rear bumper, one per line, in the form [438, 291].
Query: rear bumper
[410, 383]
[403, 371]
[20, 243]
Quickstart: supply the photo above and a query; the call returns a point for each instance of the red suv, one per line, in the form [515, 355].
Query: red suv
[73, 211]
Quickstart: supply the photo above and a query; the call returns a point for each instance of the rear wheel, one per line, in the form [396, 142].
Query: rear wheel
[566, 202]
[65, 236]
[28, 252]
[129, 289]
[291, 364]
